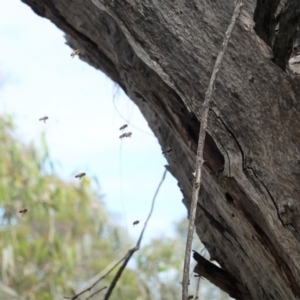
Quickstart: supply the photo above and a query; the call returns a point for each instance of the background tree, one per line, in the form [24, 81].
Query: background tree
[67, 239]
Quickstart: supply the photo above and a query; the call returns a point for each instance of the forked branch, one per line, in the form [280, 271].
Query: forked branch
[97, 281]
[199, 158]
[125, 259]
[138, 244]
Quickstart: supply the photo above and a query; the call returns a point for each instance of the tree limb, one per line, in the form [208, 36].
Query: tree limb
[98, 291]
[97, 281]
[217, 276]
[199, 158]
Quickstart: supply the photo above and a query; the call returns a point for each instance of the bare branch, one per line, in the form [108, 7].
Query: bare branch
[137, 247]
[219, 277]
[97, 281]
[96, 293]
[198, 288]
[199, 158]
[126, 258]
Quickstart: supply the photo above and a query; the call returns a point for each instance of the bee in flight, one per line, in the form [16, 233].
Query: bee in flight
[80, 175]
[74, 53]
[135, 222]
[126, 134]
[166, 151]
[123, 127]
[23, 211]
[43, 119]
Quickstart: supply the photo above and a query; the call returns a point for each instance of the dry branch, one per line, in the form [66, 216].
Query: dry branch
[199, 158]
[126, 258]
[97, 281]
[137, 247]
[98, 291]
[217, 276]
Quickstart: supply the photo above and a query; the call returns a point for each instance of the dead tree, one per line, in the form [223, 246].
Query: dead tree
[162, 54]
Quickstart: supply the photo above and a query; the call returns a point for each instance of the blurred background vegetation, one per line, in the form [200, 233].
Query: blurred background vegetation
[68, 239]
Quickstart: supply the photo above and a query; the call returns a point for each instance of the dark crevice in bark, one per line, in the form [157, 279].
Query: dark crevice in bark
[267, 244]
[294, 231]
[289, 23]
[290, 227]
[265, 20]
[219, 277]
[269, 193]
[227, 154]
[212, 155]
[220, 227]
[229, 198]
[233, 136]
[258, 223]
[215, 223]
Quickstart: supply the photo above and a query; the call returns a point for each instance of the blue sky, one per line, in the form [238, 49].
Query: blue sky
[38, 77]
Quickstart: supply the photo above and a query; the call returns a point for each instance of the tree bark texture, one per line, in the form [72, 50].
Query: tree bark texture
[162, 54]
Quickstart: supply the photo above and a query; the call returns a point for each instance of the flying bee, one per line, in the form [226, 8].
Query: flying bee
[126, 134]
[123, 127]
[43, 119]
[80, 175]
[190, 297]
[166, 151]
[23, 211]
[74, 53]
[135, 222]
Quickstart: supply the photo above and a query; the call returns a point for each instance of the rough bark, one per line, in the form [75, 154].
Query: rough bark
[162, 54]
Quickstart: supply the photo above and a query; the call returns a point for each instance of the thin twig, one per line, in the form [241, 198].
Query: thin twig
[199, 158]
[97, 281]
[198, 289]
[121, 194]
[137, 247]
[96, 293]
[126, 258]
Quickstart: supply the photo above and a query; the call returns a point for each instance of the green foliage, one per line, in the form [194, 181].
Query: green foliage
[65, 237]
[67, 240]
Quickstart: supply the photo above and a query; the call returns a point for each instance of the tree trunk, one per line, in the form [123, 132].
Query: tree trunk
[162, 54]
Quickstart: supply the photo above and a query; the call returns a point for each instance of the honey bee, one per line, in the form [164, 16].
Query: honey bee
[80, 175]
[43, 119]
[123, 127]
[74, 53]
[135, 222]
[190, 297]
[23, 211]
[126, 134]
[166, 151]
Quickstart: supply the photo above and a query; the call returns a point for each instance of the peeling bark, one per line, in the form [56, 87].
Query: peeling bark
[157, 51]
[265, 19]
[219, 277]
[287, 40]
